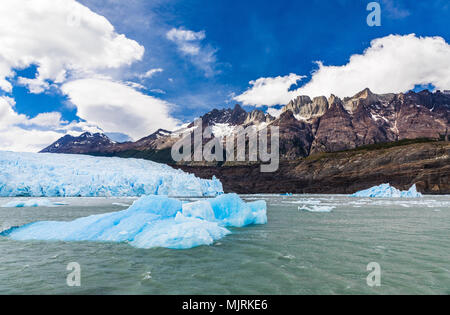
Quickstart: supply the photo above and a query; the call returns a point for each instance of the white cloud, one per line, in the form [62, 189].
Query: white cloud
[179, 34]
[35, 86]
[49, 120]
[134, 85]
[77, 51]
[116, 107]
[269, 91]
[20, 133]
[150, 73]
[391, 64]
[190, 45]
[25, 140]
[60, 37]
[274, 112]
[158, 91]
[8, 116]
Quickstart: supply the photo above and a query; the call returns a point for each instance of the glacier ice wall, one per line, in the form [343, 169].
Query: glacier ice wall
[154, 221]
[64, 175]
[387, 191]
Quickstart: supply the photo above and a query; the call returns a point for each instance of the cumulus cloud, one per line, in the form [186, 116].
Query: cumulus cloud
[391, 64]
[20, 133]
[274, 112]
[74, 50]
[269, 91]
[190, 45]
[59, 37]
[117, 107]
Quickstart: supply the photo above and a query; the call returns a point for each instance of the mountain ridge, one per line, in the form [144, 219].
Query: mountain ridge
[307, 126]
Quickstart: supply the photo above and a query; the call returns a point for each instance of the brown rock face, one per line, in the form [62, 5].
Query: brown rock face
[426, 164]
[335, 131]
[306, 109]
[295, 136]
[369, 118]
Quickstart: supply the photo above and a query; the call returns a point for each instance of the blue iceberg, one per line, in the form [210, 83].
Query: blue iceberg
[387, 191]
[64, 175]
[154, 221]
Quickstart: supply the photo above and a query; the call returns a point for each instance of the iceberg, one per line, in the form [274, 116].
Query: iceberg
[153, 221]
[64, 175]
[31, 203]
[387, 191]
[315, 208]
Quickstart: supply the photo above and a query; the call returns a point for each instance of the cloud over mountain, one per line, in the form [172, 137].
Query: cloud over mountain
[71, 47]
[391, 64]
[117, 107]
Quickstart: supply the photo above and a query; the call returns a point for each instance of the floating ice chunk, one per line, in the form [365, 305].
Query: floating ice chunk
[31, 203]
[387, 191]
[304, 201]
[154, 221]
[64, 175]
[314, 208]
[120, 204]
[230, 210]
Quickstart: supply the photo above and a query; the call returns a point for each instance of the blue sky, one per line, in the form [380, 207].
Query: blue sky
[231, 43]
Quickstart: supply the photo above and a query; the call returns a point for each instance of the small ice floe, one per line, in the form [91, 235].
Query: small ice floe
[32, 203]
[287, 257]
[314, 208]
[387, 191]
[147, 275]
[304, 201]
[120, 204]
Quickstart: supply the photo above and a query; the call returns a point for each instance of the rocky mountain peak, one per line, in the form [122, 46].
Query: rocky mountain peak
[365, 98]
[333, 100]
[81, 144]
[305, 109]
[258, 116]
[235, 116]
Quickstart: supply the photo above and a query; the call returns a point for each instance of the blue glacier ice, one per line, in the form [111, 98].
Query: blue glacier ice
[387, 191]
[64, 175]
[154, 221]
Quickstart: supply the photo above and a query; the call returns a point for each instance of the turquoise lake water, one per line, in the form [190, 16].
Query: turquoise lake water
[297, 252]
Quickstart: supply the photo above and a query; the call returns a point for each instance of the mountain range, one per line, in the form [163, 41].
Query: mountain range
[308, 127]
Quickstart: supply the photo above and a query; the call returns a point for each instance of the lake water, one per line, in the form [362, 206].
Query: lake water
[297, 252]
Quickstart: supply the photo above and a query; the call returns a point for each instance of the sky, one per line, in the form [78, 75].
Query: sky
[128, 68]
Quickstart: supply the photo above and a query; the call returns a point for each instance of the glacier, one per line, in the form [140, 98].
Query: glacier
[387, 191]
[65, 175]
[153, 221]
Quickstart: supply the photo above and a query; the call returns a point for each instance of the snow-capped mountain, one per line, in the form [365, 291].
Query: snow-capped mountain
[307, 126]
[85, 143]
